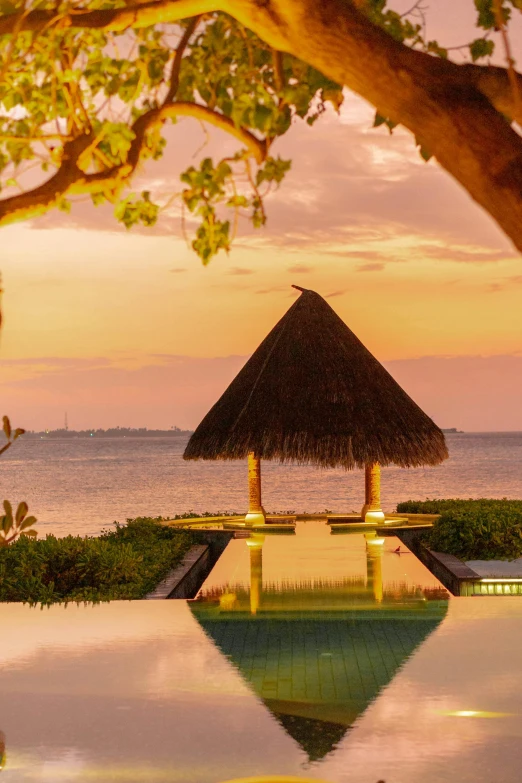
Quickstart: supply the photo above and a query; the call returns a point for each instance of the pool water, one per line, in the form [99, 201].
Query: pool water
[322, 656]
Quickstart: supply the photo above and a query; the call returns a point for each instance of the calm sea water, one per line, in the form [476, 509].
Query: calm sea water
[81, 486]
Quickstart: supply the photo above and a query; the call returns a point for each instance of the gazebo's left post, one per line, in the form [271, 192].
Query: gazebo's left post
[372, 510]
[255, 545]
[256, 513]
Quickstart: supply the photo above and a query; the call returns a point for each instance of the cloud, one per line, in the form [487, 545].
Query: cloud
[348, 183]
[505, 283]
[300, 269]
[56, 362]
[161, 391]
[177, 270]
[468, 392]
[466, 254]
[335, 293]
[273, 289]
[376, 267]
[238, 270]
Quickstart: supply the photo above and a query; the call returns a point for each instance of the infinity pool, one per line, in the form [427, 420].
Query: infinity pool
[315, 655]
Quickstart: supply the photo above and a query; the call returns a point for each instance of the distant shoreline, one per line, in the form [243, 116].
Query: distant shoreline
[115, 432]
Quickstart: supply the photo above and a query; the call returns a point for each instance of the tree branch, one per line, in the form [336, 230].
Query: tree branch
[110, 20]
[178, 57]
[70, 180]
[455, 111]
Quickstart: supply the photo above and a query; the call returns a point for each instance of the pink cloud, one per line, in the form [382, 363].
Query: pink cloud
[371, 267]
[469, 392]
[300, 269]
[237, 270]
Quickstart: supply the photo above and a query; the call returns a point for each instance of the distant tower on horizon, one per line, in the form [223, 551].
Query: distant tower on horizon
[66, 423]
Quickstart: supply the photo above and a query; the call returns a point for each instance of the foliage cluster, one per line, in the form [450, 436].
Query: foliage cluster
[17, 523]
[441, 506]
[483, 529]
[87, 102]
[123, 564]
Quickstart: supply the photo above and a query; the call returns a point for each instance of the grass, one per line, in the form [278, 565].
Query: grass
[122, 564]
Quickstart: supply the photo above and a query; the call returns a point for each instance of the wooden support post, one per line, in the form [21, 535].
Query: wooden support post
[373, 512]
[256, 512]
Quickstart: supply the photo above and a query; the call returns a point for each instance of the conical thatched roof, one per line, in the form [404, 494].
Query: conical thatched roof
[312, 393]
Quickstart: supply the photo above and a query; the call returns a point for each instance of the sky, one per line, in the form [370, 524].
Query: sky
[128, 328]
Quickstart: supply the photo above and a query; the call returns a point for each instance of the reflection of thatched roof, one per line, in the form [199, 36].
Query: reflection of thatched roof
[312, 393]
[317, 676]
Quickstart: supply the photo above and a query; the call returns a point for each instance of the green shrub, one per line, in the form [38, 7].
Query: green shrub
[454, 504]
[125, 563]
[479, 530]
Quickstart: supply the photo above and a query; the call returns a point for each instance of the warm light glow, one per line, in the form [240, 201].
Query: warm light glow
[275, 779]
[475, 714]
[375, 541]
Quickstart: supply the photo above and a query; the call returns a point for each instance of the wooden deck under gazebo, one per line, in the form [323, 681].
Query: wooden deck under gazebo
[313, 394]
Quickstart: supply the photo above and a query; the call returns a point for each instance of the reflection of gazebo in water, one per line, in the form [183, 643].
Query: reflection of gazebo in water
[313, 394]
[317, 654]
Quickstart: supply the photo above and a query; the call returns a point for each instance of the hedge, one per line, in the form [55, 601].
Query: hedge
[125, 563]
[433, 506]
[484, 529]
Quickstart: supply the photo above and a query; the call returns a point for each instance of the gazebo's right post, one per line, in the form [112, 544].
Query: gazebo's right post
[372, 511]
[256, 513]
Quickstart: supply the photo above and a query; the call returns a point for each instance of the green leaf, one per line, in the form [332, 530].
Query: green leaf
[7, 8]
[29, 533]
[21, 512]
[481, 48]
[27, 523]
[8, 510]
[423, 151]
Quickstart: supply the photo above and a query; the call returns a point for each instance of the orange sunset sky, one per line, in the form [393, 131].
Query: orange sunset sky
[128, 328]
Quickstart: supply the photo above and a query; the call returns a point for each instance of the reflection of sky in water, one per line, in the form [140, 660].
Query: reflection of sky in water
[139, 692]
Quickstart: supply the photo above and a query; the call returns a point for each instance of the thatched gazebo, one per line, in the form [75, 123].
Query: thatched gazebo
[313, 394]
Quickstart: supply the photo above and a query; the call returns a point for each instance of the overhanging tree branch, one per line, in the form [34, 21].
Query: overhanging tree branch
[71, 180]
[178, 57]
[109, 20]
[457, 112]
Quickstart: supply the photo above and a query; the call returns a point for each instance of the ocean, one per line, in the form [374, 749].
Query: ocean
[81, 486]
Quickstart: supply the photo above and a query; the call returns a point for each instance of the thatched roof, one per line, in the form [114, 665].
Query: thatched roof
[312, 393]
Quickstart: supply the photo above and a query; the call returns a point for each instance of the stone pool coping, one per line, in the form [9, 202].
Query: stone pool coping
[182, 577]
[185, 579]
[501, 569]
[455, 574]
[281, 521]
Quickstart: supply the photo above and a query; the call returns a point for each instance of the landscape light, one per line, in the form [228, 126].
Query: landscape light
[475, 714]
